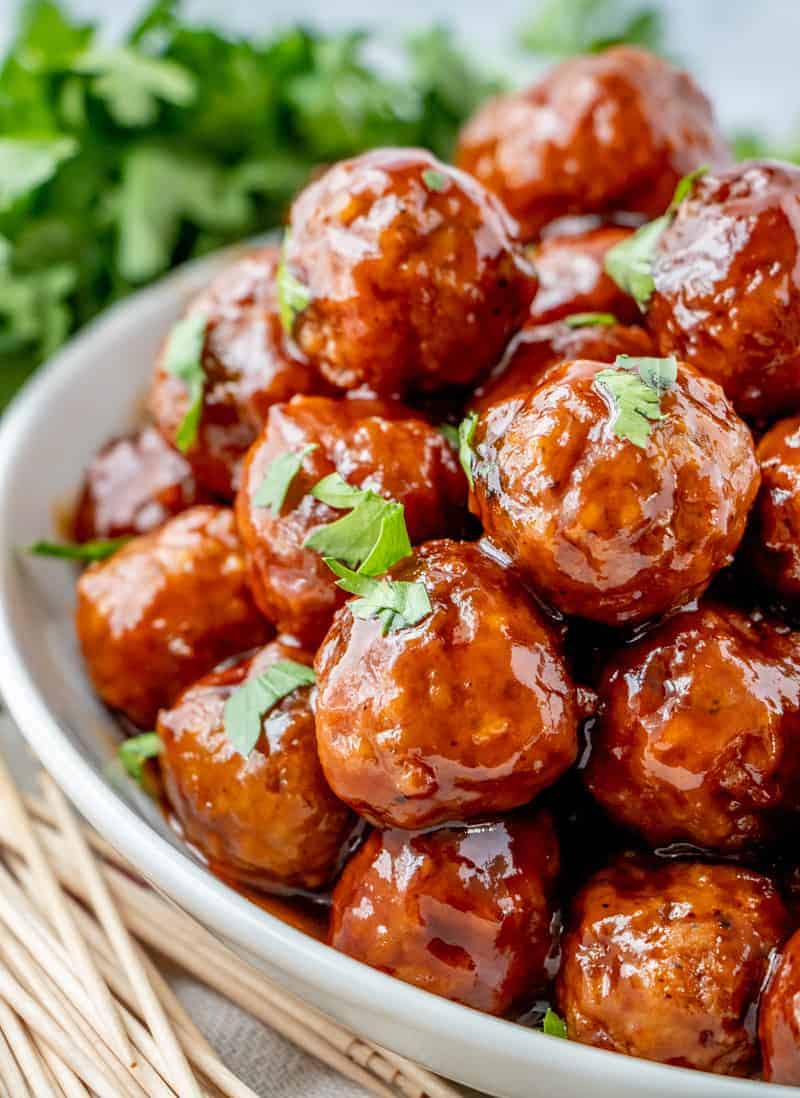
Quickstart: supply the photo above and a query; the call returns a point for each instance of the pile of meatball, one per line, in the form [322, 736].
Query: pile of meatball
[574, 779]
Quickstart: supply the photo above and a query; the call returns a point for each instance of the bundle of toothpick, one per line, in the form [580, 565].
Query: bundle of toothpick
[84, 1009]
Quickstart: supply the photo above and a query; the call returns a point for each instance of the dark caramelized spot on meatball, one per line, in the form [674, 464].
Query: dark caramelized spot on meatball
[666, 962]
[779, 1018]
[466, 713]
[573, 279]
[411, 285]
[727, 285]
[372, 444]
[532, 352]
[462, 912]
[699, 734]
[134, 484]
[611, 131]
[602, 528]
[267, 818]
[248, 367]
[164, 610]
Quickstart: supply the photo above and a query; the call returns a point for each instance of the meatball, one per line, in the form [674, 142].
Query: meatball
[699, 733]
[412, 272]
[165, 609]
[532, 352]
[573, 279]
[248, 366]
[266, 818]
[466, 713]
[611, 131]
[665, 961]
[611, 517]
[132, 485]
[774, 537]
[464, 912]
[779, 1018]
[374, 445]
[727, 285]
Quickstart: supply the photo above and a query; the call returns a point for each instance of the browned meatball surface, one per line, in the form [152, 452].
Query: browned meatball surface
[132, 485]
[532, 352]
[773, 541]
[727, 285]
[466, 713]
[165, 609]
[372, 444]
[248, 366]
[573, 279]
[261, 819]
[779, 1018]
[665, 961]
[699, 733]
[413, 273]
[610, 131]
[462, 912]
[602, 527]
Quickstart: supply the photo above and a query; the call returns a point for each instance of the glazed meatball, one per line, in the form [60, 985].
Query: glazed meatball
[617, 528]
[165, 609]
[132, 485]
[573, 279]
[413, 273]
[373, 445]
[466, 713]
[699, 733]
[248, 367]
[665, 961]
[779, 1018]
[266, 818]
[774, 537]
[532, 352]
[464, 912]
[611, 131]
[727, 285]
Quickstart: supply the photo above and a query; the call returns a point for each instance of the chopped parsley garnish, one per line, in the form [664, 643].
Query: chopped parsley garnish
[183, 358]
[636, 386]
[293, 296]
[466, 437]
[433, 180]
[630, 263]
[396, 604]
[278, 478]
[249, 703]
[553, 1024]
[135, 752]
[449, 433]
[78, 550]
[372, 538]
[590, 320]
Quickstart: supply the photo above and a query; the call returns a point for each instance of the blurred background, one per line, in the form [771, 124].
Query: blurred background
[135, 135]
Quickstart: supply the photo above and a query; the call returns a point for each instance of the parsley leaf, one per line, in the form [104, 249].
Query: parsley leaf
[278, 478]
[27, 162]
[562, 28]
[636, 386]
[183, 358]
[466, 437]
[684, 187]
[433, 180]
[87, 551]
[293, 296]
[450, 433]
[395, 603]
[371, 538]
[553, 1024]
[590, 320]
[249, 703]
[136, 750]
[132, 85]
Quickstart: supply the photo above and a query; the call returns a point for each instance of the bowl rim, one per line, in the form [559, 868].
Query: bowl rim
[192, 886]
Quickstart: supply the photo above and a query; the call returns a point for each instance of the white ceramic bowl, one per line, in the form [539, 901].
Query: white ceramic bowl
[90, 391]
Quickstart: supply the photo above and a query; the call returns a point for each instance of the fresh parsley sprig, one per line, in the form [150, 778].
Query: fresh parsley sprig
[134, 752]
[630, 263]
[553, 1024]
[590, 320]
[278, 478]
[396, 604]
[87, 551]
[183, 358]
[249, 703]
[293, 296]
[636, 386]
[466, 438]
